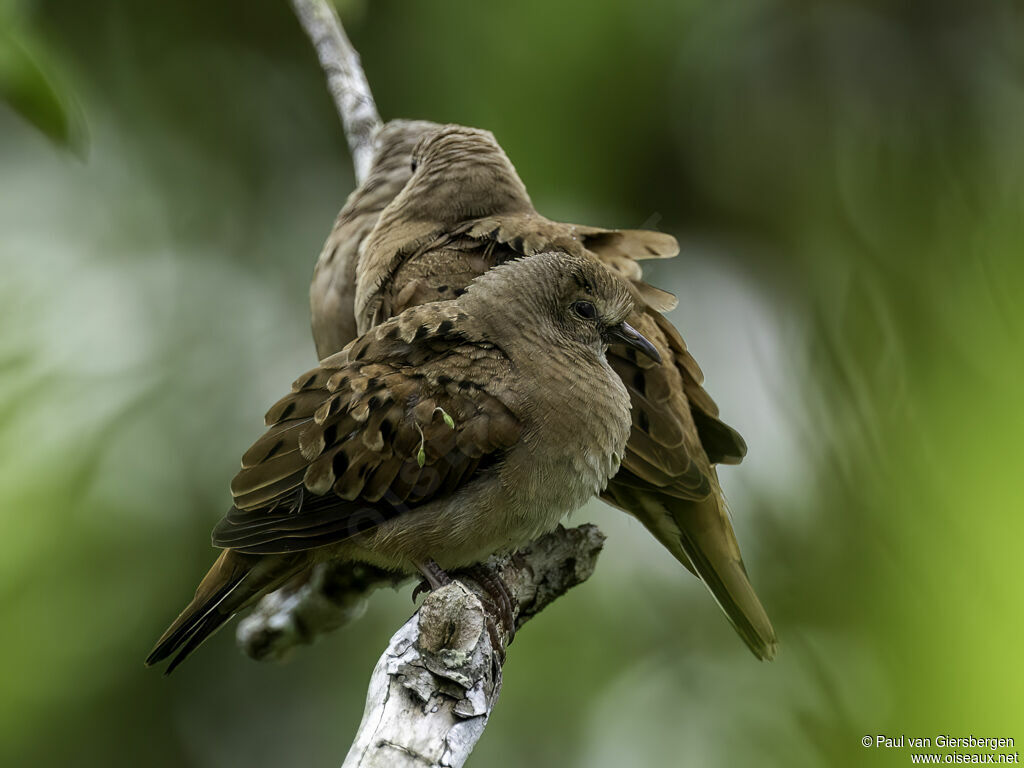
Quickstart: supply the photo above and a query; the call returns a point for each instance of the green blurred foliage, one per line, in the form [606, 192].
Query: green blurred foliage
[846, 181]
[29, 86]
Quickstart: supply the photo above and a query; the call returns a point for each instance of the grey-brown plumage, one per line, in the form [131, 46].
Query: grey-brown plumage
[332, 292]
[463, 211]
[452, 431]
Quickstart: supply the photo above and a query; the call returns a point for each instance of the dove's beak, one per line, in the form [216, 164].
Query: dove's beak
[624, 333]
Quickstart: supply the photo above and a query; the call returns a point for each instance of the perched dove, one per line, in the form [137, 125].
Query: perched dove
[332, 292]
[450, 432]
[463, 211]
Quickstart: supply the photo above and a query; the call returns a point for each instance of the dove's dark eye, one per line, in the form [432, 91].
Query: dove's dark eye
[585, 309]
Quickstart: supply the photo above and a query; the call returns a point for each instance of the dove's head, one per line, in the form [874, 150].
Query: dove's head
[392, 158]
[555, 298]
[390, 169]
[459, 174]
[395, 141]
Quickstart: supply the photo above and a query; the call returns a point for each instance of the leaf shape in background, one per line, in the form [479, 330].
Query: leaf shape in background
[29, 86]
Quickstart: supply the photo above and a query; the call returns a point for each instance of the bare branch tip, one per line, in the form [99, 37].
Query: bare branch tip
[345, 79]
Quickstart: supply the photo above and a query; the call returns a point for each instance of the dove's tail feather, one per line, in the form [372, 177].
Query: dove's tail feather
[700, 536]
[726, 577]
[234, 581]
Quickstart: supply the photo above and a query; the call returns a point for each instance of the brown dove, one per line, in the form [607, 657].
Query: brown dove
[463, 211]
[332, 292]
[450, 432]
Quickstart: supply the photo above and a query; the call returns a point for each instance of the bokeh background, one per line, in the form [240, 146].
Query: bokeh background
[847, 183]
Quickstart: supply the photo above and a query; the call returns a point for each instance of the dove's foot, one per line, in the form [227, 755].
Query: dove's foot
[501, 599]
[434, 577]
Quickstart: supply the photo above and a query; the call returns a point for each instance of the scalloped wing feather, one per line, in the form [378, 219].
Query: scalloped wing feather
[343, 452]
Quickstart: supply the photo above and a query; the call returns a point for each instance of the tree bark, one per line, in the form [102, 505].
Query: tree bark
[434, 687]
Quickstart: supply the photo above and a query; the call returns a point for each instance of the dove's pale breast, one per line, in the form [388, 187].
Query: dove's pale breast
[573, 440]
[580, 425]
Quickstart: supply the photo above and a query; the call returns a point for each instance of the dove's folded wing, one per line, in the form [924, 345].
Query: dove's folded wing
[399, 418]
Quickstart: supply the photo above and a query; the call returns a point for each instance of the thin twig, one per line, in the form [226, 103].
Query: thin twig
[345, 79]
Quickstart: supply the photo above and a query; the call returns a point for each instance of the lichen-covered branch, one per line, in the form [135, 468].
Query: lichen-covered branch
[434, 688]
[345, 79]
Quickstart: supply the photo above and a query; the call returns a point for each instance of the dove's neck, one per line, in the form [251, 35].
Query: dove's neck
[575, 411]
